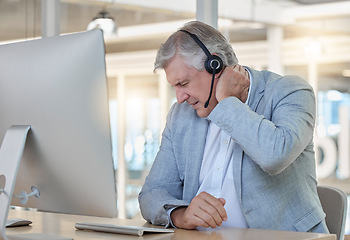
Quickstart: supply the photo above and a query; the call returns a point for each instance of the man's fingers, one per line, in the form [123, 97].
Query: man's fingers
[210, 215]
[214, 207]
[233, 82]
[207, 220]
[223, 201]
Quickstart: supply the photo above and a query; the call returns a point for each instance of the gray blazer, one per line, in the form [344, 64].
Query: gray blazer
[274, 160]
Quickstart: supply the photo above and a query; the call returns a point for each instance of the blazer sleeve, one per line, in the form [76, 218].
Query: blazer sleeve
[275, 133]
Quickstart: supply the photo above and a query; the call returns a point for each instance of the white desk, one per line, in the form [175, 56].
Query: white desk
[63, 225]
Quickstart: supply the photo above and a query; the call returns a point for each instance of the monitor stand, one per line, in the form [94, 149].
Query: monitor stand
[10, 157]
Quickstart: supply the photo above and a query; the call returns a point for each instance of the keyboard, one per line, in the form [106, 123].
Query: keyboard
[121, 229]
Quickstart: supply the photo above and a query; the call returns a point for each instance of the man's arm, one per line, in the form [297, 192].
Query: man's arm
[279, 129]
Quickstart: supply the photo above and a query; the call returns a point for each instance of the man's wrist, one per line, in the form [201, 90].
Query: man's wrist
[176, 216]
[169, 211]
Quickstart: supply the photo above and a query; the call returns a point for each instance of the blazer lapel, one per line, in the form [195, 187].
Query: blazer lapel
[195, 144]
[237, 169]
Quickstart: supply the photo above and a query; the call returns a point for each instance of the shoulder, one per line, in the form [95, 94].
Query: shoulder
[270, 89]
[285, 83]
[273, 80]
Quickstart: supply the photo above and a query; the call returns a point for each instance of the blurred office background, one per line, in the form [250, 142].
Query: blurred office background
[310, 38]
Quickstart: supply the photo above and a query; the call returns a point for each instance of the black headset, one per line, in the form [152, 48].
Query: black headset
[213, 64]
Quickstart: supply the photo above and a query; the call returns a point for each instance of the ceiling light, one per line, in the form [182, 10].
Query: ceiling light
[103, 21]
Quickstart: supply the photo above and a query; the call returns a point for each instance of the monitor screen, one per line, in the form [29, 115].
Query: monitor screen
[58, 86]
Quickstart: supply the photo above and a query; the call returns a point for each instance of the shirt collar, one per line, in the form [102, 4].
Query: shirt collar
[250, 85]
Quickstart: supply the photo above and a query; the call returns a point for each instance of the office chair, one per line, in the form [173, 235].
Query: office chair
[334, 203]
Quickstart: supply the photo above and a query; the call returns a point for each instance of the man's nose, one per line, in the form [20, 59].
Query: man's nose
[181, 95]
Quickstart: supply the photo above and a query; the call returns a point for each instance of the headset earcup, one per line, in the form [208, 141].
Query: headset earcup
[210, 62]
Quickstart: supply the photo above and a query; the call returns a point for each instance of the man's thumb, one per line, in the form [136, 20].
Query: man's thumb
[223, 201]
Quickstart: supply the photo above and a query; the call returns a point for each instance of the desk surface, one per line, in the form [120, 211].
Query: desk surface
[63, 225]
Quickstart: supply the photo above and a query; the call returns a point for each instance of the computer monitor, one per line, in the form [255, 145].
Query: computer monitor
[58, 86]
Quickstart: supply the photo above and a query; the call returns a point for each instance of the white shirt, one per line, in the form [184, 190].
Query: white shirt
[216, 175]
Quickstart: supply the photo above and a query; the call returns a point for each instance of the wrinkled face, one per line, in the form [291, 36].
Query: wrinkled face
[191, 86]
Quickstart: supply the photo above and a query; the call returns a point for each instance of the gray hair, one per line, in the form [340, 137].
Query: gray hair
[182, 44]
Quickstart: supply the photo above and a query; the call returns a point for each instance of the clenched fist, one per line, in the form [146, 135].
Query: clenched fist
[204, 210]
